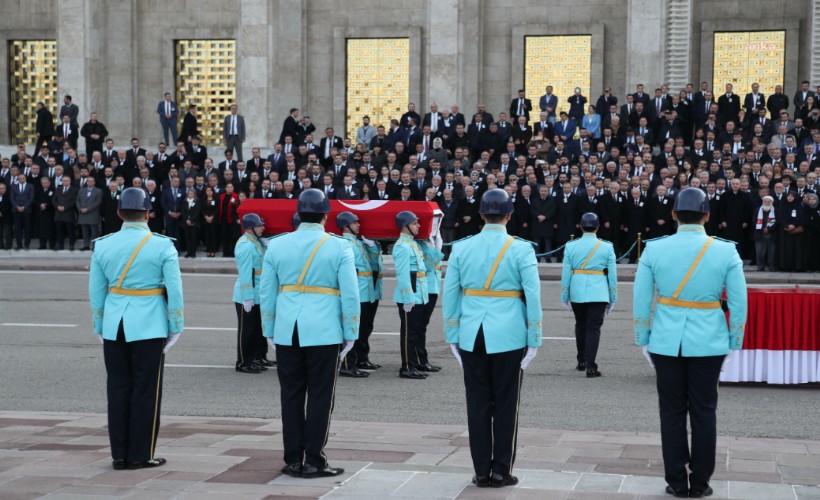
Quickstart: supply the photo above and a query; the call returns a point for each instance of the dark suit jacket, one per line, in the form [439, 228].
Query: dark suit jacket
[336, 143]
[190, 127]
[45, 123]
[341, 193]
[289, 127]
[514, 108]
[169, 202]
[749, 102]
[24, 199]
[73, 133]
[660, 210]
[546, 207]
[240, 127]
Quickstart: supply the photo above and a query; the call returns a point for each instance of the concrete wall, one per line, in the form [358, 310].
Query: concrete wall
[117, 56]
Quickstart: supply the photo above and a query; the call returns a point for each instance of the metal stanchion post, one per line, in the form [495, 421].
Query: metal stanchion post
[639, 246]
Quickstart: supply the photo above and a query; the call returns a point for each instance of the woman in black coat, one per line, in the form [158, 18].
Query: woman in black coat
[210, 221]
[791, 233]
[468, 221]
[811, 219]
[191, 216]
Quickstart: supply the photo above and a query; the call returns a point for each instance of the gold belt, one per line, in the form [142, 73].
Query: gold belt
[257, 272]
[135, 292]
[369, 274]
[321, 290]
[587, 271]
[421, 275]
[479, 292]
[438, 267]
[690, 304]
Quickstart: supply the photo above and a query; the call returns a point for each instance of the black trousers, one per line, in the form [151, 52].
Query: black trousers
[191, 239]
[493, 384]
[589, 316]
[306, 375]
[421, 342]
[250, 344]
[211, 235]
[361, 348]
[65, 229]
[22, 228]
[688, 385]
[411, 323]
[134, 395]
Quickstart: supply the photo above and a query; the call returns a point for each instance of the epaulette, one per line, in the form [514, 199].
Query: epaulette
[525, 241]
[166, 237]
[102, 237]
[276, 236]
[337, 236]
[656, 239]
[462, 239]
[725, 240]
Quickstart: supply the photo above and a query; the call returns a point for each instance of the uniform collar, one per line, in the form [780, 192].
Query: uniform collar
[495, 227]
[694, 228]
[135, 225]
[350, 236]
[310, 226]
[590, 235]
[406, 237]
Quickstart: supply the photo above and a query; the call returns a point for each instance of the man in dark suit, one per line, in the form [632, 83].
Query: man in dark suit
[44, 210]
[549, 104]
[703, 109]
[657, 106]
[520, 106]
[65, 201]
[728, 106]
[171, 201]
[410, 113]
[754, 101]
[543, 209]
[22, 201]
[67, 131]
[605, 103]
[612, 215]
[433, 120]
[190, 125]
[800, 96]
[135, 151]
[233, 131]
[44, 126]
[669, 127]
[457, 116]
[476, 132]
[347, 191]
[640, 96]
[568, 215]
[327, 145]
[660, 214]
[636, 221]
[168, 112]
[291, 126]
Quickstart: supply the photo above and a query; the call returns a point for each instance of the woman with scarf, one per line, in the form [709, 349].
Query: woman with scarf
[765, 235]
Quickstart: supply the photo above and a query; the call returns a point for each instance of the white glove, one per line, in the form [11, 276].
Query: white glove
[408, 307]
[728, 357]
[100, 338]
[367, 242]
[172, 339]
[567, 306]
[271, 343]
[247, 305]
[457, 354]
[346, 349]
[439, 241]
[609, 308]
[430, 242]
[645, 351]
[531, 352]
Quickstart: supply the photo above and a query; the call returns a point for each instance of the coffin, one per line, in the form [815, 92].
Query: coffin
[377, 217]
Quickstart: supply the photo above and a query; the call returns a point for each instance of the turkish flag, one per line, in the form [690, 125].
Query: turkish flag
[377, 217]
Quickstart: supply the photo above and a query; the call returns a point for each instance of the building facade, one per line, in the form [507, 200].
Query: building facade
[338, 60]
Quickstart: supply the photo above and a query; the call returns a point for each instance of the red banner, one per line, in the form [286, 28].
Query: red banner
[377, 217]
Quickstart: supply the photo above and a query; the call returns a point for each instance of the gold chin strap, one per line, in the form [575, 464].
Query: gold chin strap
[118, 290]
[486, 292]
[690, 304]
[300, 288]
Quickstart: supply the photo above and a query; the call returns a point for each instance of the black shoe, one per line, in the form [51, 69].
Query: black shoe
[677, 493]
[367, 365]
[292, 470]
[581, 367]
[593, 373]
[311, 471]
[247, 369]
[118, 464]
[413, 374]
[264, 362]
[427, 367]
[84, 249]
[260, 368]
[148, 464]
[499, 481]
[353, 372]
[481, 481]
[701, 493]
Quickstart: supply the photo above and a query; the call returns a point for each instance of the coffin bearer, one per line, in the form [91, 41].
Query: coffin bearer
[492, 321]
[689, 338]
[411, 292]
[368, 267]
[251, 348]
[589, 288]
[136, 305]
[431, 249]
[310, 310]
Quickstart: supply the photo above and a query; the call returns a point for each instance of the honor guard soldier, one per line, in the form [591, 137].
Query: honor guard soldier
[251, 348]
[492, 312]
[368, 267]
[136, 303]
[688, 340]
[589, 288]
[310, 310]
[411, 292]
[431, 249]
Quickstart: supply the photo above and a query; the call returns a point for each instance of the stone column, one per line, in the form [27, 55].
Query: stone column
[645, 44]
[442, 75]
[470, 61]
[288, 63]
[121, 69]
[252, 83]
[814, 49]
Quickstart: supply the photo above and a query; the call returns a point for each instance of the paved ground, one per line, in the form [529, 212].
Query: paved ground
[62, 456]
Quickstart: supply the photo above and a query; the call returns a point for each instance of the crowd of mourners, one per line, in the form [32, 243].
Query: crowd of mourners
[756, 157]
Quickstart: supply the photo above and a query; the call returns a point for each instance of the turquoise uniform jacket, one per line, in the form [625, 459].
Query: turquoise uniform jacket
[368, 261]
[248, 252]
[509, 322]
[155, 266]
[589, 287]
[323, 319]
[432, 262]
[407, 257]
[683, 331]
